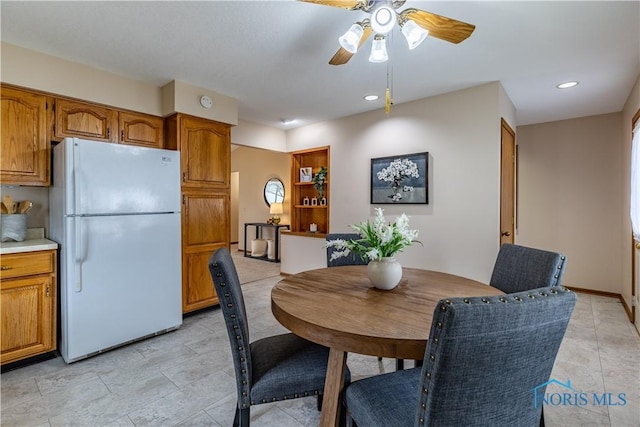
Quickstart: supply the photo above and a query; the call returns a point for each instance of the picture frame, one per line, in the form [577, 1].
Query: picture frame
[401, 179]
[306, 174]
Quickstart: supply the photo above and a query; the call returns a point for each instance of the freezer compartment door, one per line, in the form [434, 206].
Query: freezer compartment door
[105, 178]
[122, 281]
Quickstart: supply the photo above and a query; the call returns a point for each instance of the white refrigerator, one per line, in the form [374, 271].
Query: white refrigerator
[115, 211]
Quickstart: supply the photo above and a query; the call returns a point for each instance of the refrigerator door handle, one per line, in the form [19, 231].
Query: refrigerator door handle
[79, 248]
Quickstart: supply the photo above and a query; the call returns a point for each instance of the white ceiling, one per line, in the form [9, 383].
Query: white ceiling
[272, 56]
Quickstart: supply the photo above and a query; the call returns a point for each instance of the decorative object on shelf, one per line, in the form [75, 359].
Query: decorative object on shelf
[305, 201]
[323, 201]
[379, 242]
[314, 201]
[319, 179]
[400, 179]
[313, 227]
[273, 191]
[258, 247]
[306, 174]
[275, 209]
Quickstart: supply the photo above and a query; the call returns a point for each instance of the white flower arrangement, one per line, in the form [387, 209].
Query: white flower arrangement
[395, 173]
[378, 239]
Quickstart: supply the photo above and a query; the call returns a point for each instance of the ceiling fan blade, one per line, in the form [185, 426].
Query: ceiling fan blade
[343, 56]
[344, 4]
[440, 27]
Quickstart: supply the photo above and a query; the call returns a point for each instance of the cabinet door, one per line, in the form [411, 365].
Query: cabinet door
[28, 313]
[141, 129]
[25, 141]
[205, 153]
[84, 120]
[205, 228]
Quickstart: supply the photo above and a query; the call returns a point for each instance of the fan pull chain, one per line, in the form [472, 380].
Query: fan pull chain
[387, 95]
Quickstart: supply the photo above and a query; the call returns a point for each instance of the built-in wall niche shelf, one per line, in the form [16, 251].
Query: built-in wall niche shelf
[303, 215]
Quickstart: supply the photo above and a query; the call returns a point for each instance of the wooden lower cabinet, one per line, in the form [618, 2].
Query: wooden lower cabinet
[205, 228]
[27, 305]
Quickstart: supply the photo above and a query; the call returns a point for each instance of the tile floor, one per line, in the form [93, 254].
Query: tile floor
[186, 377]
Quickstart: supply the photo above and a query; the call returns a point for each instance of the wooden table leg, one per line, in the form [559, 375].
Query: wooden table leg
[332, 400]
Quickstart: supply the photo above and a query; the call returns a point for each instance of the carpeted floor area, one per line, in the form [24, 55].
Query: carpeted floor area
[250, 269]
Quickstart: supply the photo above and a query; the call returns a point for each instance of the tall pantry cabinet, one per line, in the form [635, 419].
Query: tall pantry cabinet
[205, 156]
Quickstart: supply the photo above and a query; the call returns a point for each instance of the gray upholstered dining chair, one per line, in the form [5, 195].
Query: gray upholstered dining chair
[485, 359]
[351, 259]
[270, 369]
[520, 268]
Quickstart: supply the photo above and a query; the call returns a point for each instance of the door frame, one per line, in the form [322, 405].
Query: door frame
[635, 247]
[510, 173]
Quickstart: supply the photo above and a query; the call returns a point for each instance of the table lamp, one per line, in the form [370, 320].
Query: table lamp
[275, 209]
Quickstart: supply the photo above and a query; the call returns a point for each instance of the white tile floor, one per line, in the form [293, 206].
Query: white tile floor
[186, 377]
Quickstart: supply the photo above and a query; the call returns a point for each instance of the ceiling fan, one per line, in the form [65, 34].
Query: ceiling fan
[415, 25]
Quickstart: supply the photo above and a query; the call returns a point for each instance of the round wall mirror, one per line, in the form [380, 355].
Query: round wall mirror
[273, 191]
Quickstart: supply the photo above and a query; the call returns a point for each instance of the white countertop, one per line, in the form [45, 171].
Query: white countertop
[34, 242]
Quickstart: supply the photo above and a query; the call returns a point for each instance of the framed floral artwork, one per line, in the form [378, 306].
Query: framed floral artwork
[400, 179]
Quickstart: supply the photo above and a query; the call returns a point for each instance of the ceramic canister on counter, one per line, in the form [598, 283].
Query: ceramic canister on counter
[13, 227]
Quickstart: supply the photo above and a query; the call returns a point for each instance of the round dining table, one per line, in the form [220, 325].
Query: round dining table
[339, 308]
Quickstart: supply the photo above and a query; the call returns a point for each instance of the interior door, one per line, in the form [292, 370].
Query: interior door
[635, 258]
[507, 183]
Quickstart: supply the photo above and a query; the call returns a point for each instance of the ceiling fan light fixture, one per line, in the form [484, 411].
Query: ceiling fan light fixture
[383, 18]
[350, 40]
[378, 49]
[414, 33]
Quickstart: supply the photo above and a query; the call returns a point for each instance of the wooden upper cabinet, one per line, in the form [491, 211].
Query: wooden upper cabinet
[84, 120]
[205, 153]
[25, 140]
[141, 129]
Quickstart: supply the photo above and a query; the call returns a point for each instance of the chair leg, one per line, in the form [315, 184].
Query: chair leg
[319, 402]
[542, 417]
[399, 364]
[242, 417]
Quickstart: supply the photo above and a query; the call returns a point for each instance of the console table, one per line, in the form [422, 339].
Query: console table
[276, 238]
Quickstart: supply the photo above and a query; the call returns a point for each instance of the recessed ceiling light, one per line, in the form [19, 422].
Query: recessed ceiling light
[567, 85]
[371, 98]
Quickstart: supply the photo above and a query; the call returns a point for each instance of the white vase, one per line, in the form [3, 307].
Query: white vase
[384, 274]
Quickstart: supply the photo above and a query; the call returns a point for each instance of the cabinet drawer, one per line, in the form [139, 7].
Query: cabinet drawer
[26, 264]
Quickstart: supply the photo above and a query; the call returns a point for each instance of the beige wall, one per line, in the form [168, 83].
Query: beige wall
[570, 197]
[461, 131]
[255, 167]
[35, 70]
[259, 136]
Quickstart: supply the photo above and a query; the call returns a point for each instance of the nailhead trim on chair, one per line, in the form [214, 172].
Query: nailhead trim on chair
[242, 356]
[435, 338]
